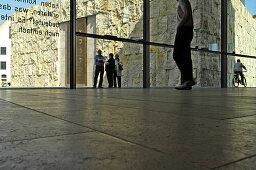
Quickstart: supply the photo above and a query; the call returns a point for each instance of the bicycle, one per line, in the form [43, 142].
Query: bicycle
[237, 80]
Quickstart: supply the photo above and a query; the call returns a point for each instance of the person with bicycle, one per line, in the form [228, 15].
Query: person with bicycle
[238, 70]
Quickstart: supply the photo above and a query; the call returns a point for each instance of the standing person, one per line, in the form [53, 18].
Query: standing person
[110, 68]
[118, 71]
[182, 52]
[99, 63]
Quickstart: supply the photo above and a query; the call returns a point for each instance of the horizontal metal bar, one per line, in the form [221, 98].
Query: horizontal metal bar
[109, 37]
[140, 41]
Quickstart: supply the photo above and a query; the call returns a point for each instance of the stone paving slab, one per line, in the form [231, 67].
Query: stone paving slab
[205, 127]
[199, 138]
[92, 151]
[248, 164]
[24, 124]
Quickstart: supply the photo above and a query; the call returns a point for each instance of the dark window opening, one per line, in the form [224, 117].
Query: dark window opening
[3, 65]
[3, 51]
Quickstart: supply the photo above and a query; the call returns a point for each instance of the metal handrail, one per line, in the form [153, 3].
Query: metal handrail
[140, 41]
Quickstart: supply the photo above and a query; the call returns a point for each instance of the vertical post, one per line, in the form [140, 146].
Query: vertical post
[146, 48]
[72, 44]
[224, 42]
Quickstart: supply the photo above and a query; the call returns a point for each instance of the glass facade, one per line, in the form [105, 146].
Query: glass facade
[241, 40]
[35, 38]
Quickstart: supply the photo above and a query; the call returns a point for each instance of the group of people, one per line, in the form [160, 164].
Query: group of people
[113, 67]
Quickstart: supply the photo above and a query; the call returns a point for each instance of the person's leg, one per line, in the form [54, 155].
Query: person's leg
[242, 77]
[119, 81]
[111, 78]
[108, 78]
[96, 74]
[115, 75]
[188, 70]
[178, 53]
[101, 76]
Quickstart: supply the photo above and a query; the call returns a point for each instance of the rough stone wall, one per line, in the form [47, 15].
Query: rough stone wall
[206, 67]
[207, 32]
[35, 59]
[241, 39]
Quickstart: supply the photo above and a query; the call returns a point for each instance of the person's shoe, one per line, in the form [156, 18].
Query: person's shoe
[183, 87]
[94, 87]
[100, 87]
[187, 85]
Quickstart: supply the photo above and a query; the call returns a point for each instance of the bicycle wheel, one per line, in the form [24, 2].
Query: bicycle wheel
[245, 82]
[235, 82]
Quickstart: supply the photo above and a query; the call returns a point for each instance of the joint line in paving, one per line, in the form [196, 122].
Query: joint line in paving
[136, 107]
[238, 117]
[94, 129]
[236, 161]
[45, 137]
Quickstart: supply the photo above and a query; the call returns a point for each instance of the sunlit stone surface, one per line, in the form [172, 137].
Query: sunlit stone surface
[121, 129]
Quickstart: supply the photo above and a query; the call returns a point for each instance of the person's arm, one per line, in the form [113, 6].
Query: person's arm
[100, 59]
[187, 12]
[113, 64]
[244, 67]
[121, 63]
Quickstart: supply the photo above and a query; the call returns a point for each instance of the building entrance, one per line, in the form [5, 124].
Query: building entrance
[81, 54]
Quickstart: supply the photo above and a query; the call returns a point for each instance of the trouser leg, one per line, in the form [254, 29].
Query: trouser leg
[96, 74]
[182, 53]
[242, 77]
[101, 76]
[115, 76]
[119, 81]
[110, 78]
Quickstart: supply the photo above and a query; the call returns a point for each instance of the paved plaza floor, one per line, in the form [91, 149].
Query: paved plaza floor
[128, 129]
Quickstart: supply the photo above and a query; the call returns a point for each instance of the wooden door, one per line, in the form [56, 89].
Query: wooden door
[81, 54]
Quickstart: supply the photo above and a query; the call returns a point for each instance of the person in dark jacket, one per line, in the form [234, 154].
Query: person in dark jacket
[110, 68]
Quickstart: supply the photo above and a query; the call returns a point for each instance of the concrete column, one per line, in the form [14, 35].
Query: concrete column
[91, 49]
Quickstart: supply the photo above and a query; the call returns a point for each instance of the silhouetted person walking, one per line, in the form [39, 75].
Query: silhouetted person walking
[99, 63]
[182, 52]
[110, 68]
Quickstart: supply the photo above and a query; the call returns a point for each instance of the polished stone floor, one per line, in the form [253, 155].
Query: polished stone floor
[128, 129]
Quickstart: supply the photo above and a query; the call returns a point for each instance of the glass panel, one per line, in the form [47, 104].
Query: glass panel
[130, 54]
[206, 19]
[242, 27]
[35, 35]
[248, 73]
[165, 73]
[120, 18]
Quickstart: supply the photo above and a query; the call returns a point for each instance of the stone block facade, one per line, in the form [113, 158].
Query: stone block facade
[41, 60]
